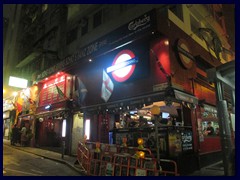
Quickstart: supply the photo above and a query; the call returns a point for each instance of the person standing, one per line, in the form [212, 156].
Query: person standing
[210, 130]
[24, 136]
[14, 138]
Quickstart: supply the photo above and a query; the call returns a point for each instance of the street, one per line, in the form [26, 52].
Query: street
[19, 163]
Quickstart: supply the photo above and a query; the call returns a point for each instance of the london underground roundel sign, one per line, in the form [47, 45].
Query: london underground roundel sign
[123, 65]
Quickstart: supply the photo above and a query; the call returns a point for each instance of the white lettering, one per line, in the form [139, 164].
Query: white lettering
[132, 26]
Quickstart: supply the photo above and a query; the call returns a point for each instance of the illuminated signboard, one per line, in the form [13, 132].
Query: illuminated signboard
[123, 65]
[17, 82]
[56, 81]
[49, 92]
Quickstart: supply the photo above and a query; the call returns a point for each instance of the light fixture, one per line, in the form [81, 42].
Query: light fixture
[166, 42]
[140, 143]
[40, 119]
[141, 154]
[64, 125]
[48, 107]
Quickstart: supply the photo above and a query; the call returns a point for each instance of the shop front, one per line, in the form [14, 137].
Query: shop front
[49, 127]
[209, 137]
[27, 120]
[120, 88]
[53, 115]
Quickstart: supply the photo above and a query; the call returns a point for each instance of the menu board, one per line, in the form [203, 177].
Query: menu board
[187, 140]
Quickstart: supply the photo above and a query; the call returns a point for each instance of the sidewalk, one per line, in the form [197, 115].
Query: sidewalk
[68, 160]
[215, 169]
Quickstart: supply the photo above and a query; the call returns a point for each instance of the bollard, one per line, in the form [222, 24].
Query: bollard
[63, 149]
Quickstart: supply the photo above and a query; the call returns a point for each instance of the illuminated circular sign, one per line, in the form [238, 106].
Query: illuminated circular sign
[125, 65]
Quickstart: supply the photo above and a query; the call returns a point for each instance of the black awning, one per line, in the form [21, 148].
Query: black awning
[128, 103]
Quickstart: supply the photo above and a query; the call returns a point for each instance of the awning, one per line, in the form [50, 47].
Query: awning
[185, 97]
[138, 102]
[52, 113]
[164, 108]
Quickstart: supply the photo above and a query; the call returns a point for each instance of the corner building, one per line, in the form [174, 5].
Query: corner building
[144, 55]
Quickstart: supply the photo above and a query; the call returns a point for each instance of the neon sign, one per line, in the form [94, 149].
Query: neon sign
[56, 81]
[123, 65]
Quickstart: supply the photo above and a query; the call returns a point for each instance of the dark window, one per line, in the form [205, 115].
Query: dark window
[97, 19]
[54, 16]
[177, 10]
[84, 25]
[72, 35]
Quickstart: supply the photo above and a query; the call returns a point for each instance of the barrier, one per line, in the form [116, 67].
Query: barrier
[172, 165]
[121, 164]
[143, 167]
[106, 164]
[99, 159]
[83, 156]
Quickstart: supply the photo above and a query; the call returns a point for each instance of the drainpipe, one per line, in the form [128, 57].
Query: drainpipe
[224, 125]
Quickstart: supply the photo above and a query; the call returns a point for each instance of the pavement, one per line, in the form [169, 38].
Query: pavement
[215, 169]
[70, 161]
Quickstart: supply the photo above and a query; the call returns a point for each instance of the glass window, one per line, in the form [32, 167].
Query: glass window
[210, 128]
